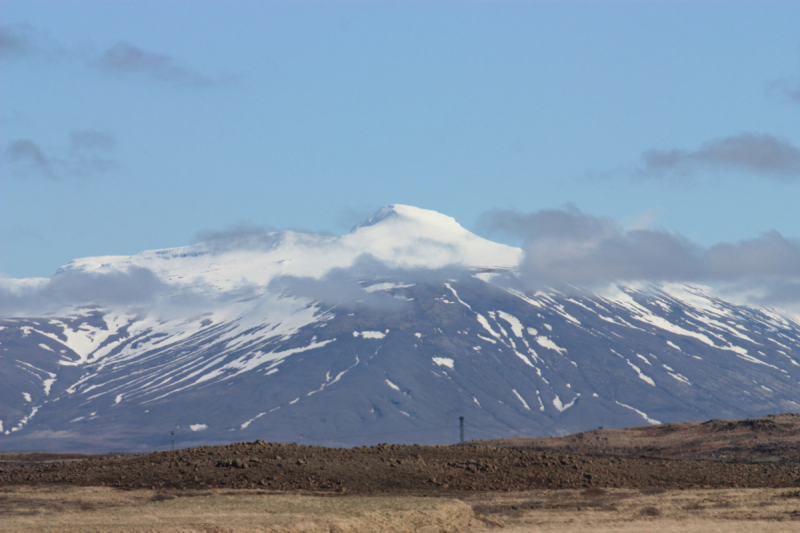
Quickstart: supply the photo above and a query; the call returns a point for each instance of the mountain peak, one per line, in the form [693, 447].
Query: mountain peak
[409, 213]
[407, 236]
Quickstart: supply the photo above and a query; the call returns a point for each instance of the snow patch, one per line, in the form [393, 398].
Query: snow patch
[244, 425]
[643, 377]
[370, 334]
[462, 302]
[680, 377]
[443, 361]
[560, 406]
[198, 427]
[516, 325]
[485, 323]
[544, 342]
[524, 403]
[387, 286]
[642, 414]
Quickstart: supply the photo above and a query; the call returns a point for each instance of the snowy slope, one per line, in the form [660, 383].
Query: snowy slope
[413, 350]
[398, 236]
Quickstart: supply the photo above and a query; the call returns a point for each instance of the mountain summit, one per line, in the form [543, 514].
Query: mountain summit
[388, 333]
[397, 236]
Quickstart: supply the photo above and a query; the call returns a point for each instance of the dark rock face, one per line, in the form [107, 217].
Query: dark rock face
[512, 363]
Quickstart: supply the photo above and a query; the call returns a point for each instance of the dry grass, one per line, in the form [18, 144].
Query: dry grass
[594, 510]
[610, 510]
[773, 438]
[84, 510]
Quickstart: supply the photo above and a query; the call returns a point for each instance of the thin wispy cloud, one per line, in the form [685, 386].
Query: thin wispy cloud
[17, 41]
[241, 236]
[756, 154]
[90, 140]
[122, 60]
[87, 155]
[126, 60]
[788, 88]
[24, 42]
[26, 159]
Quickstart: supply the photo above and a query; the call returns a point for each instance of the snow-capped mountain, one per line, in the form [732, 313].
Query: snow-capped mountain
[388, 333]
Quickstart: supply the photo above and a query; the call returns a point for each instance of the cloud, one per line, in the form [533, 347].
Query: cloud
[566, 246]
[787, 87]
[143, 291]
[90, 140]
[248, 236]
[86, 156]
[24, 42]
[134, 286]
[337, 289]
[27, 159]
[124, 59]
[793, 92]
[770, 255]
[18, 41]
[345, 287]
[350, 216]
[762, 154]
[241, 236]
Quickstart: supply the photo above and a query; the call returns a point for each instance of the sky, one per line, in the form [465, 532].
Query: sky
[128, 126]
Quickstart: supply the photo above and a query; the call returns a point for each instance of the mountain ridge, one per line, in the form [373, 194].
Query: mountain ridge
[241, 343]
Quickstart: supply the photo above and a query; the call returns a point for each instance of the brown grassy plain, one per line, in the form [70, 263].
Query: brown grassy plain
[717, 476]
[103, 510]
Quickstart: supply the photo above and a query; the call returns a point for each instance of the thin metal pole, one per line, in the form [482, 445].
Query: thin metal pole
[172, 433]
[461, 420]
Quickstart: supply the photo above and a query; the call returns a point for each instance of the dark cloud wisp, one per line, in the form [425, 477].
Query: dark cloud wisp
[124, 59]
[26, 159]
[764, 155]
[134, 286]
[568, 246]
[17, 41]
[23, 41]
[788, 88]
[87, 156]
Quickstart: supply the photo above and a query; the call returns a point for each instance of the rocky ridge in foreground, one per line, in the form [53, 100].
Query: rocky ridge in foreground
[403, 469]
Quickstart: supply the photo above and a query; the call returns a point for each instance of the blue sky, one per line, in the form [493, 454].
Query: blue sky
[127, 126]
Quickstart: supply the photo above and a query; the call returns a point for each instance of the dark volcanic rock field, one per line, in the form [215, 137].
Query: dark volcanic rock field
[390, 469]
